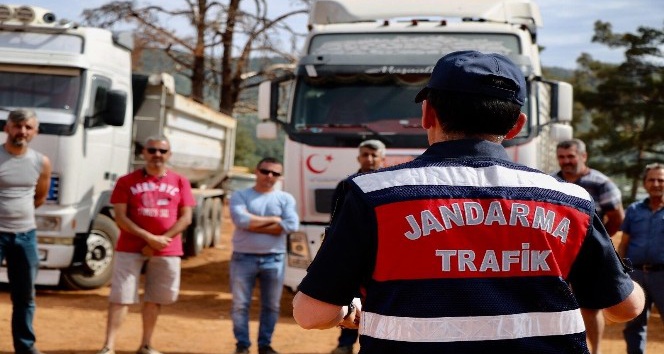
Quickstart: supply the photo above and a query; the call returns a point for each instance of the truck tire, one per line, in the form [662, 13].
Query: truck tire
[208, 221]
[98, 258]
[194, 236]
[217, 217]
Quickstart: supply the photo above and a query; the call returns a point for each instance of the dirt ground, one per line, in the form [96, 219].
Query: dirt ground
[74, 321]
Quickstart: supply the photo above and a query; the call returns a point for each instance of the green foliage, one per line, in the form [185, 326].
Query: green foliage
[245, 146]
[248, 149]
[273, 148]
[624, 103]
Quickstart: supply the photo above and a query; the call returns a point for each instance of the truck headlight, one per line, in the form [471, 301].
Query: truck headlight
[48, 223]
[299, 255]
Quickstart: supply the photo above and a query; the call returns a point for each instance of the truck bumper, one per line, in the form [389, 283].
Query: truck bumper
[55, 242]
[49, 277]
[55, 256]
[51, 259]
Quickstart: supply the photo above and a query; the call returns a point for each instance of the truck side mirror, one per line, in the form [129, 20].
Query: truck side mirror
[271, 96]
[561, 101]
[560, 132]
[265, 100]
[268, 108]
[266, 130]
[116, 108]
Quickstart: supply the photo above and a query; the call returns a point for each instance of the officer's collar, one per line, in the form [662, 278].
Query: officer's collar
[467, 148]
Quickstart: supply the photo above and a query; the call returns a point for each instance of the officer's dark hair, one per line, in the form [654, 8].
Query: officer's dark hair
[473, 114]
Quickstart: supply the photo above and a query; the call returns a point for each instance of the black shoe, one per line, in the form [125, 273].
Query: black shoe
[32, 350]
[266, 350]
[239, 349]
[346, 349]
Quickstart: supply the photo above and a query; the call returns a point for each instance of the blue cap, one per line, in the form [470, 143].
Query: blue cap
[477, 73]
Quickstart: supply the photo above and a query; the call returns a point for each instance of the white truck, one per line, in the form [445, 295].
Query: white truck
[94, 116]
[362, 64]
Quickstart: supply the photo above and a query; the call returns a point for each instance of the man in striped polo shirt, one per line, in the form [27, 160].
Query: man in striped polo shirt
[572, 157]
[462, 250]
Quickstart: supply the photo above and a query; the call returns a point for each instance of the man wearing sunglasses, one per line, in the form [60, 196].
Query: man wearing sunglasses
[153, 205]
[262, 216]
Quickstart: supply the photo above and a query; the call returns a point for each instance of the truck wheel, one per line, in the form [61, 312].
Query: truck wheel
[208, 221]
[217, 217]
[194, 236]
[98, 257]
[195, 241]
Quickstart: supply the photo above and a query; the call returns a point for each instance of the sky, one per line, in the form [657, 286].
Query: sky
[566, 33]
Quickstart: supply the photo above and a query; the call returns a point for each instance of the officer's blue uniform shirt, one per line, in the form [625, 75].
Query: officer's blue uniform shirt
[461, 236]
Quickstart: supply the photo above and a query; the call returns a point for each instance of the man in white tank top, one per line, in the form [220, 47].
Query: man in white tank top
[25, 176]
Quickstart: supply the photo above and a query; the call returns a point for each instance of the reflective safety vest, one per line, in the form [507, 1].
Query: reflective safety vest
[472, 258]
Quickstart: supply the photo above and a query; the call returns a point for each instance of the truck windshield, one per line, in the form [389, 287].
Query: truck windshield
[53, 93]
[338, 108]
[360, 105]
[364, 84]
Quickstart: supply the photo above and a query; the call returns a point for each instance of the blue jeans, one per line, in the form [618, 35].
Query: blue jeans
[245, 269]
[635, 331]
[20, 251]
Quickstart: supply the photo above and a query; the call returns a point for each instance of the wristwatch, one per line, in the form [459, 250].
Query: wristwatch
[351, 308]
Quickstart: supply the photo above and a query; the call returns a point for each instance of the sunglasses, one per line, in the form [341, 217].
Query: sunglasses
[267, 172]
[154, 150]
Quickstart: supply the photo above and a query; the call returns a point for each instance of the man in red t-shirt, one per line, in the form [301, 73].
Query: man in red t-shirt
[153, 205]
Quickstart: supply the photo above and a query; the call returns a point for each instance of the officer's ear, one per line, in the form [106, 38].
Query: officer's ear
[520, 122]
[429, 116]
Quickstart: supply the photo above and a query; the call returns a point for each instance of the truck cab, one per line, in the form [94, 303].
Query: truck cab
[66, 75]
[93, 119]
[362, 65]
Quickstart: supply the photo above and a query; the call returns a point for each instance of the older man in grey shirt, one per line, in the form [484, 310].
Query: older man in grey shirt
[24, 181]
[572, 157]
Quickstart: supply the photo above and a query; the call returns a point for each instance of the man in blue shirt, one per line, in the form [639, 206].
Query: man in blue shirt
[643, 243]
[263, 217]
